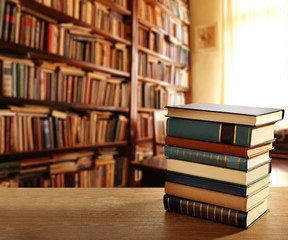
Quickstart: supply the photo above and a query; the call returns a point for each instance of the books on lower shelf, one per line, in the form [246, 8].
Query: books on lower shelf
[21, 131]
[218, 186]
[75, 169]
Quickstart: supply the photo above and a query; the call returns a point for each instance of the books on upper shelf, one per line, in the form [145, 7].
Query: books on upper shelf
[35, 30]
[144, 125]
[244, 115]
[77, 8]
[202, 169]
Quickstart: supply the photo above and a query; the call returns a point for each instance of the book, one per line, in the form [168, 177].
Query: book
[221, 148]
[215, 213]
[244, 115]
[244, 204]
[210, 158]
[240, 135]
[238, 190]
[218, 173]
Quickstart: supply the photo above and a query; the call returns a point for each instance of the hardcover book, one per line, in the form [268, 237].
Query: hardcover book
[244, 204]
[221, 148]
[215, 213]
[218, 173]
[252, 116]
[210, 158]
[240, 135]
[234, 189]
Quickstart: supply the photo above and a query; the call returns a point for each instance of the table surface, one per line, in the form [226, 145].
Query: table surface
[121, 213]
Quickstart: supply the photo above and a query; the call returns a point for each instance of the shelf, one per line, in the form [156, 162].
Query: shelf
[115, 7]
[151, 25]
[167, 11]
[61, 105]
[162, 57]
[37, 54]
[61, 17]
[162, 83]
[49, 152]
[146, 139]
[142, 109]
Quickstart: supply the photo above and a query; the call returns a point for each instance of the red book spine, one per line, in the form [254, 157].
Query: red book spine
[51, 36]
[12, 23]
[27, 30]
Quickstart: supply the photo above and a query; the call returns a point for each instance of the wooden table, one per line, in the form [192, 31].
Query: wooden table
[121, 213]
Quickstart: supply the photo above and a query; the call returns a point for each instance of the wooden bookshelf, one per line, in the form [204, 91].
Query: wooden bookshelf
[94, 49]
[145, 20]
[16, 45]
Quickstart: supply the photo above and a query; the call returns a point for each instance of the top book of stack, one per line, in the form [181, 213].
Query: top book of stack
[243, 115]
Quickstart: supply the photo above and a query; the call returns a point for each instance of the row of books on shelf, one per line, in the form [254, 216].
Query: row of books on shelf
[75, 169]
[157, 42]
[74, 42]
[45, 81]
[152, 96]
[31, 128]
[158, 18]
[92, 13]
[177, 8]
[73, 8]
[152, 67]
[152, 12]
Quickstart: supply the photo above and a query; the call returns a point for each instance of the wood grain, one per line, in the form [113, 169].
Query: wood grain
[122, 213]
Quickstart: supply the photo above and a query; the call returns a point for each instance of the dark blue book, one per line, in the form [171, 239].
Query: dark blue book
[215, 213]
[238, 190]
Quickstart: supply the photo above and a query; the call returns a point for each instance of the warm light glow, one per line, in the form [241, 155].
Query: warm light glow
[256, 53]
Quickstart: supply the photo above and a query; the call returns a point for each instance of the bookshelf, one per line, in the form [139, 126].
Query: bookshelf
[68, 58]
[101, 67]
[161, 74]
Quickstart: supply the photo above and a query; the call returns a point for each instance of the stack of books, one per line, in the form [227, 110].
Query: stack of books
[218, 161]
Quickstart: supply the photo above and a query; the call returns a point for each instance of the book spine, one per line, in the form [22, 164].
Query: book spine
[5, 33]
[205, 183]
[20, 80]
[205, 211]
[239, 135]
[46, 134]
[7, 79]
[2, 11]
[208, 158]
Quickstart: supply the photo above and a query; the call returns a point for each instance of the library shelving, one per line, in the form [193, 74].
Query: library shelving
[64, 93]
[161, 74]
[80, 83]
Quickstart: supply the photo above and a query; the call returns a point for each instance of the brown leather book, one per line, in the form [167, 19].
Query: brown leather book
[221, 148]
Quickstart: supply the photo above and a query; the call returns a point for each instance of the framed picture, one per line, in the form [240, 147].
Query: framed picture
[206, 37]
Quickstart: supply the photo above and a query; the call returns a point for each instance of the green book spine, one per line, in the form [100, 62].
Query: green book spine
[221, 160]
[205, 211]
[79, 89]
[20, 80]
[209, 131]
[14, 79]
